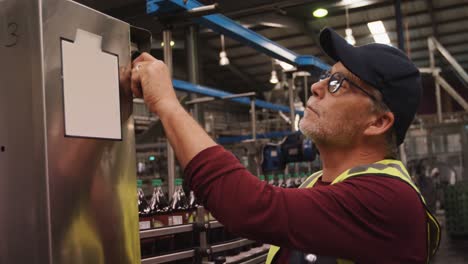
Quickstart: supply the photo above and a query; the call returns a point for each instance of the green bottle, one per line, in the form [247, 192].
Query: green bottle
[271, 180]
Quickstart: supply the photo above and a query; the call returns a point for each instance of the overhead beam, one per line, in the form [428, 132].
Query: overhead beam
[232, 29]
[298, 25]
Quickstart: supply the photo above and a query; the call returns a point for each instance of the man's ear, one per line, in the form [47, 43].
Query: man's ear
[380, 125]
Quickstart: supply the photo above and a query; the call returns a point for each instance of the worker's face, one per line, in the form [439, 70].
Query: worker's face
[336, 119]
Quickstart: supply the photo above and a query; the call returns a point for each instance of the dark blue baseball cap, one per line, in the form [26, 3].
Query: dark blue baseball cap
[383, 67]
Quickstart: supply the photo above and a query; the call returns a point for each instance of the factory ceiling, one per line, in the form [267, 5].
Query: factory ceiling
[291, 24]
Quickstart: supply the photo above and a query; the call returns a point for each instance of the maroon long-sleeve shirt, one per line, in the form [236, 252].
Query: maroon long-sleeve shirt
[367, 219]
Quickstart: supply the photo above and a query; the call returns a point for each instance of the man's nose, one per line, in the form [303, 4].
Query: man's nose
[318, 89]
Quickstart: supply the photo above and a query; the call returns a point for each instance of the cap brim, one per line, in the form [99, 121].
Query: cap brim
[334, 45]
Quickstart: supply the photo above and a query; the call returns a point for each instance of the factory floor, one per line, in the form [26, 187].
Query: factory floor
[451, 250]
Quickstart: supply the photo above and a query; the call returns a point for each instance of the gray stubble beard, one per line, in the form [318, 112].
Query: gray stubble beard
[341, 136]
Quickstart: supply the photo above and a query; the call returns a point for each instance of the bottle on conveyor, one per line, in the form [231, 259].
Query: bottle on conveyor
[193, 215]
[193, 205]
[261, 177]
[143, 207]
[179, 209]
[178, 205]
[297, 180]
[159, 205]
[290, 181]
[146, 245]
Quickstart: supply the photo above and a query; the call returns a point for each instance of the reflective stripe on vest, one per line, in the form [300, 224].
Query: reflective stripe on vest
[385, 168]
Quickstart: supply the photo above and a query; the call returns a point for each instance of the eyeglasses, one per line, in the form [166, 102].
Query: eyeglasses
[336, 81]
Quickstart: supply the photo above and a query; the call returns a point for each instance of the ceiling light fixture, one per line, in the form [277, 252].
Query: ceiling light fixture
[274, 77]
[349, 36]
[349, 32]
[223, 59]
[379, 33]
[172, 43]
[274, 74]
[355, 3]
[320, 12]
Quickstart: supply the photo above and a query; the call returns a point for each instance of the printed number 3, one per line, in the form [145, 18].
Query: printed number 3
[13, 36]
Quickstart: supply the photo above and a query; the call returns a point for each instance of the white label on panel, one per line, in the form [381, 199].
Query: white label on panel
[90, 88]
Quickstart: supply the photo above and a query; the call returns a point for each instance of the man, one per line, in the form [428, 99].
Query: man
[363, 207]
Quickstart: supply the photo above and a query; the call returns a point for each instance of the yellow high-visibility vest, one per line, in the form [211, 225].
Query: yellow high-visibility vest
[385, 168]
